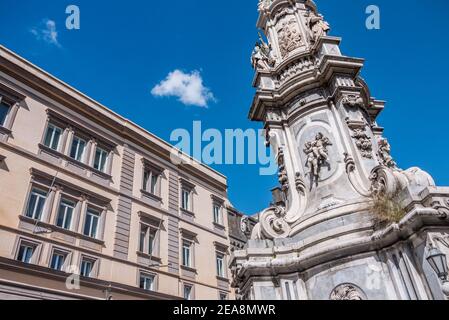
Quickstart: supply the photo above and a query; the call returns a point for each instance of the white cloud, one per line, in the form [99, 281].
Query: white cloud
[47, 32]
[188, 88]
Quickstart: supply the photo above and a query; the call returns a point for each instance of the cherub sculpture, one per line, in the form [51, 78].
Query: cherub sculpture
[317, 153]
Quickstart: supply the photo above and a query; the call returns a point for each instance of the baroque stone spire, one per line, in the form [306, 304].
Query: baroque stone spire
[346, 223]
[320, 118]
[290, 28]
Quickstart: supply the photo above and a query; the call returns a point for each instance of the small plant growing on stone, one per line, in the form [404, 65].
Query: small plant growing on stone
[386, 210]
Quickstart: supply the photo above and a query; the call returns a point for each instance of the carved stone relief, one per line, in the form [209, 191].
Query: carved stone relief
[264, 4]
[317, 26]
[262, 57]
[362, 140]
[385, 154]
[351, 100]
[317, 154]
[283, 178]
[347, 292]
[289, 35]
[274, 115]
[300, 65]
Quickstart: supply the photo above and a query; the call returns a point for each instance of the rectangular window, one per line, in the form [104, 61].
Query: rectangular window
[4, 110]
[223, 296]
[86, 268]
[53, 137]
[188, 292]
[91, 223]
[26, 252]
[218, 218]
[101, 159]
[146, 282]
[187, 253]
[220, 265]
[58, 260]
[150, 182]
[65, 214]
[185, 201]
[77, 149]
[147, 239]
[36, 204]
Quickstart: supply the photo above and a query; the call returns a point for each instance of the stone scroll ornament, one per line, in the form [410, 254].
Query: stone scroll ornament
[317, 154]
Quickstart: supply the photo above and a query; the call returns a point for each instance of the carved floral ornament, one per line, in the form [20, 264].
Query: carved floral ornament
[362, 140]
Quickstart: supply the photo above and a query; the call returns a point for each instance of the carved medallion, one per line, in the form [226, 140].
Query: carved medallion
[347, 292]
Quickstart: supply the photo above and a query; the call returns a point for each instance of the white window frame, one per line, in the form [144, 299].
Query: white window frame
[93, 213]
[149, 184]
[220, 264]
[103, 154]
[2, 124]
[190, 291]
[54, 128]
[218, 213]
[188, 249]
[59, 253]
[68, 205]
[28, 245]
[186, 199]
[144, 239]
[39, 193]
[145, 276]
[77, 156]
[93, 263]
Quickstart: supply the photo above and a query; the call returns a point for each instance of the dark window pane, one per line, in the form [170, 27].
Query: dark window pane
[3, 113]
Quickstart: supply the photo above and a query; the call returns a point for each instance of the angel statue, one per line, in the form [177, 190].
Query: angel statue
[262, 57]
[318, 27]
[317, 153]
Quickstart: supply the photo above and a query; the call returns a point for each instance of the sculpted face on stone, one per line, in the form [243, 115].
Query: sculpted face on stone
[317, 154]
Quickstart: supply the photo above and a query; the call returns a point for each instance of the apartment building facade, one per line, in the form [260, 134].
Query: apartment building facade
[91, 205]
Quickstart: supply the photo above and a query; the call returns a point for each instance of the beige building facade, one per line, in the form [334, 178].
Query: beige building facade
[92, 207]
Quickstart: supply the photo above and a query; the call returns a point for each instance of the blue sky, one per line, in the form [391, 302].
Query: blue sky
[124, 49]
